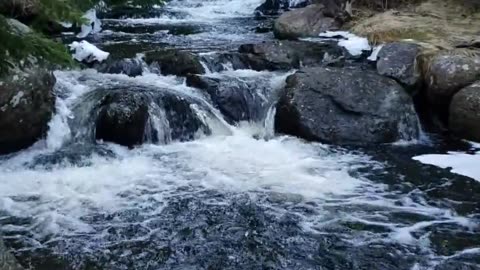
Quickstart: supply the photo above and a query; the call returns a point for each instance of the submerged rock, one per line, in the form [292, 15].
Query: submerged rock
[235, 60]
[345, 106]
[449, 71]
[237, 99]
[273, 7]
[123, 118]
[306, 22]
[133, 115]
[129, 66]
[175, 62]
[464, 118]
[27, 103]
[398, 61]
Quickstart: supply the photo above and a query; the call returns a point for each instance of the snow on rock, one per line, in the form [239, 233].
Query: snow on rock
[93, 25]
[354, 44]
[86, 52]
[459, 162]
[66, 24]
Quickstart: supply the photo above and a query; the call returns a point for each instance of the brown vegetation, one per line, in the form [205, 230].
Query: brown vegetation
[438, 23]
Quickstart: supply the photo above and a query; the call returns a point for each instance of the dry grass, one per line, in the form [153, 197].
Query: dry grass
[438, 23]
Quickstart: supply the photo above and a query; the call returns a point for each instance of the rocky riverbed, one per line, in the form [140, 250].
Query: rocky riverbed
[240, 135]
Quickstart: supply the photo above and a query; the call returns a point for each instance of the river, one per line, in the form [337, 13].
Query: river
[233, 197]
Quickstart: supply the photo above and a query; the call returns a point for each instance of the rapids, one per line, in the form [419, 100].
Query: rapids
[237, 196]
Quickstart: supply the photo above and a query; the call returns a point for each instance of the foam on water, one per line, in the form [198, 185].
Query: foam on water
[215, 9]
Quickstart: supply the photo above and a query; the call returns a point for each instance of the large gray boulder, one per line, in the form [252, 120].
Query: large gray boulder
[129, 66]
[345, 106]
[398, 61]
[27, 103]
[306, 22]
[175, 62]
[464, 118]
[449, 71]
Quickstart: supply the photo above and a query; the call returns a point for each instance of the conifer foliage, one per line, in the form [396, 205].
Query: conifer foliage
[18, 47]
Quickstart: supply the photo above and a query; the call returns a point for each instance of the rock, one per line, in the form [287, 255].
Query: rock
[18, 28]
[278, 55]
[131, 115]
[123, 118]
[27, 103]
[272, 7]
[23, 10]
[305, 22]
[345, 106]
[238, 99]
[449, 71]
[398, 61]
[464, 119]
[175, 62]
[129, 66]
[7, 260]
[235, 60]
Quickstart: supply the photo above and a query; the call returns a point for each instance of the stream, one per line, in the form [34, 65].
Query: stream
[227, 196]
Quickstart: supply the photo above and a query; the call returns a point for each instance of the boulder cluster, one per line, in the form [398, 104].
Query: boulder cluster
[332, 97]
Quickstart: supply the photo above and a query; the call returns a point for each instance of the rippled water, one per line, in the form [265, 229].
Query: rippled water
[238, 198]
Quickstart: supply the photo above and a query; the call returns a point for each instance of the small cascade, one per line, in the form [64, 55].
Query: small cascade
[158, 129]
[168, 172]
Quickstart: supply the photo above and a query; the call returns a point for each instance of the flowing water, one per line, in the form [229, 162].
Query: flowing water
[232, 196]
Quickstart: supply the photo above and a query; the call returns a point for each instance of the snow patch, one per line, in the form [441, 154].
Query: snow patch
[66, 24]
[86, 52]
[94, 25]
[459, 162]
[354, 44]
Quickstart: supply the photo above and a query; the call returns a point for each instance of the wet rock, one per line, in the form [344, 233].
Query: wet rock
[398, 61]
[24, 10]
[26, 106]
[128, 66]
[306, 22]
[123, 118]
[345, 106]
[237, 99]
[175, 62]
[449, 71]
[272, 7]
[132, 115]
[278, 55]
[7, 260]
[235, 60]
[264, 27]
[464, 118]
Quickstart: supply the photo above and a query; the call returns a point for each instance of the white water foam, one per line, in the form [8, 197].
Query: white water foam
[200, 11]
